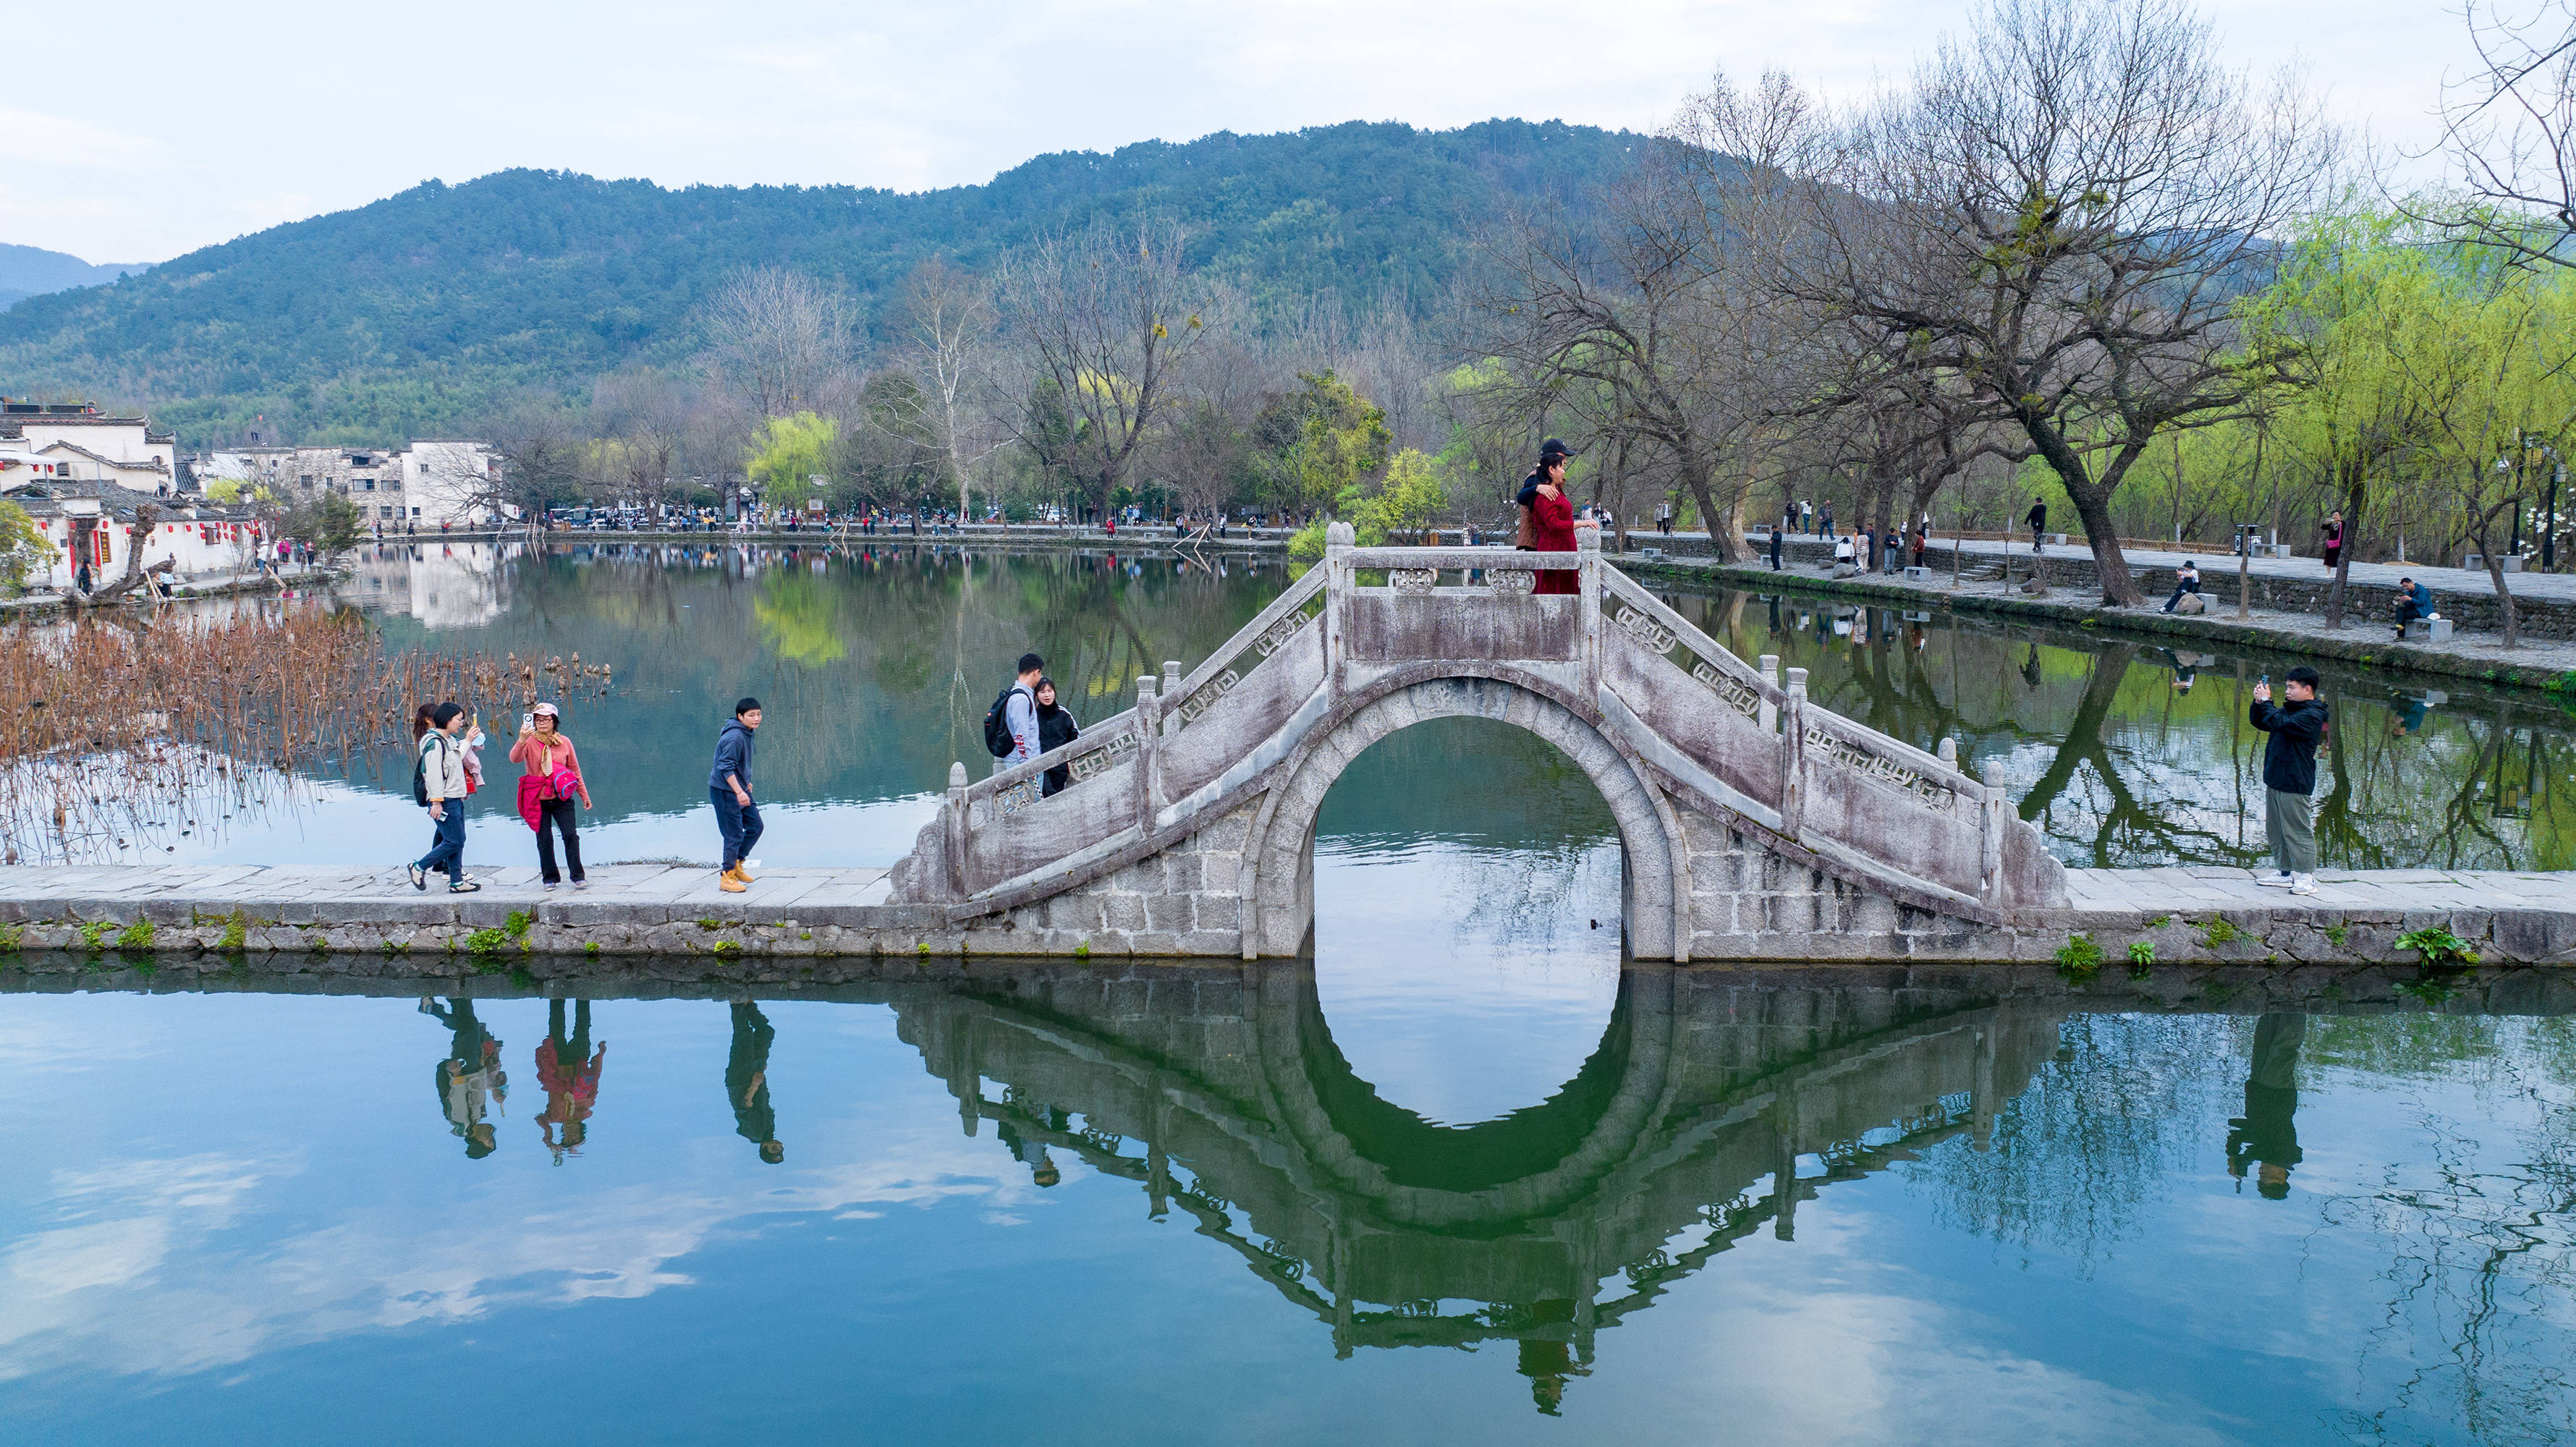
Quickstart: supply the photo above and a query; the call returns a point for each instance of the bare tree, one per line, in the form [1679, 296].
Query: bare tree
[1105, 317]
[780, 343]
[947, 344]
[2510, 129]
[2061, 210]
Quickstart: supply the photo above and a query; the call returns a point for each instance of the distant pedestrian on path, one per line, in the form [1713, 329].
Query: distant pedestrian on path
[1922, 537]
[439, 784]
[549, 784]
[1775, 549]
[729, 785]
[2290, 776]
[747, 1081]
[1826, 517]
[1056, 728]
[1664, 516]
[2186, 581]
[2414, 601]
[2037, 517]
[2334, 538]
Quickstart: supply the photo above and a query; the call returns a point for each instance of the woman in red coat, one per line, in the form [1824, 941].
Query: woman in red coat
[1552, 525]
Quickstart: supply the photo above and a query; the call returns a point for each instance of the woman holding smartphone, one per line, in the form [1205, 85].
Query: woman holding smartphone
[551, 781]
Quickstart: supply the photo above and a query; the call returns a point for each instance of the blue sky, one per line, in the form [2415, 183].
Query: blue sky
[230, 119]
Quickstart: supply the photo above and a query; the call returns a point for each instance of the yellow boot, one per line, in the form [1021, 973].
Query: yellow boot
[729, 884]
[742, 870]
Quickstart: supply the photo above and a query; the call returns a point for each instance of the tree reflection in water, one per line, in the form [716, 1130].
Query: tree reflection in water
[2133, 756]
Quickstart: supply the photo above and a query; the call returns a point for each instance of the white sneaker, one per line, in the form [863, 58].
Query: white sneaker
[2275, 881]
[2304, 884]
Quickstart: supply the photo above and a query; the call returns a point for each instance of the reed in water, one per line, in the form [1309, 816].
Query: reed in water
[115, 737]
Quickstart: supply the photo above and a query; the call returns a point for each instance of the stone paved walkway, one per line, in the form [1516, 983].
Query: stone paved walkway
[2464, 654]
[2204, 888]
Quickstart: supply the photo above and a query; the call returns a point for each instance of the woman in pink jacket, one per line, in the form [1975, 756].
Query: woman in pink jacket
[551, 781]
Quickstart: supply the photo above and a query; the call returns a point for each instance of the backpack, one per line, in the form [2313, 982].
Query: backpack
[1525, 533]
[419, 768]
[997, 724]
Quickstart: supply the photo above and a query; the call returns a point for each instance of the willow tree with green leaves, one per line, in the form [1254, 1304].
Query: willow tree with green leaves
[788, 453]
[2415, 363]
[2351, 299]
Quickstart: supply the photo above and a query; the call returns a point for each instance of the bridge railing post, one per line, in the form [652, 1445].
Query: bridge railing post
[1793, 755]
[1149, 757]
[1587, 543]
[953, 832]
[1170, 694]
[1769, 712]
[1339, 539]
[1992, 820]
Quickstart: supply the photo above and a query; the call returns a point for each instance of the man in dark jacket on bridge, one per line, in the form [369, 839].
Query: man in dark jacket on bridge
[2290, 776]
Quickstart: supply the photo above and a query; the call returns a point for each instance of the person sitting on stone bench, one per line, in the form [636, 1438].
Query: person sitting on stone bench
[2414, 601]
[2186, 583]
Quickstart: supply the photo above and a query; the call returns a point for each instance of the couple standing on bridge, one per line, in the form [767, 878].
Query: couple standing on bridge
[1547, 518]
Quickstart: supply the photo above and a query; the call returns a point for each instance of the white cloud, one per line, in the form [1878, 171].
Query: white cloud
[155, 1290]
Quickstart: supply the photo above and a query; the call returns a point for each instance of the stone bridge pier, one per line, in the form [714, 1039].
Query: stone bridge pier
[1753, 824]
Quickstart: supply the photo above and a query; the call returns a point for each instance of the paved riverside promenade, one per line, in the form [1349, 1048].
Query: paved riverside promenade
[673, 921]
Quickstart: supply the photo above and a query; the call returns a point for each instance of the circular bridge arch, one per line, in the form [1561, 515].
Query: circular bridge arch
[1280, 851]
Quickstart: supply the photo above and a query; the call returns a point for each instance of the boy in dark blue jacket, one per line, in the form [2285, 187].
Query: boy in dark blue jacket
[729, 784]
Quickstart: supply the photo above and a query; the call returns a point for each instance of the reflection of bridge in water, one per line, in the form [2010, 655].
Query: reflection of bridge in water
[1221, 1093]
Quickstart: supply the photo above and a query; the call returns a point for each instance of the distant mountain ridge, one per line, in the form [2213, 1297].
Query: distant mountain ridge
[410, 315]
[27, 271]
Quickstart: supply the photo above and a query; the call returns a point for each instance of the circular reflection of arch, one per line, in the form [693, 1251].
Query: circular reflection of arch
[1484, 1179]
[1281, 848]
[1415, 1152]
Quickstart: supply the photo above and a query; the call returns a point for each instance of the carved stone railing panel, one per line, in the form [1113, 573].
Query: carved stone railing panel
[1201, 701]
[1012, 798]
[1414, 582]
[1737, 694]
[1831, 747]
[1104, 758]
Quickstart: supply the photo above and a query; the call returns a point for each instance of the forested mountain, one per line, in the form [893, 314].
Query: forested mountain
[27, 271]
[416, 313]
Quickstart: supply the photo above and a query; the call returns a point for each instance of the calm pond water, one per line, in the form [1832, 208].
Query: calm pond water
[1461, 1177]
[877, 668]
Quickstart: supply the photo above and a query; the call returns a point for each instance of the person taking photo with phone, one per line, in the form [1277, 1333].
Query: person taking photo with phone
[550, 780]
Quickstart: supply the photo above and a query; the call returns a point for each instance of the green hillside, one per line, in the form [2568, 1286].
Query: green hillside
[411, 315]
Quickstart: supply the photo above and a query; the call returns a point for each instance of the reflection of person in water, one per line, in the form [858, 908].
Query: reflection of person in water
[2265, 1134]
[747, 1081]
[2409, 715]
[570, 1075]
[2030, 667]
[2186, 668]
[1033, 1154]
[468, 1076]
[1547, 1363]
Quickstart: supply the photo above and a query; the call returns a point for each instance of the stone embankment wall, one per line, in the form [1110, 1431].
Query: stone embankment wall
[1748, 904]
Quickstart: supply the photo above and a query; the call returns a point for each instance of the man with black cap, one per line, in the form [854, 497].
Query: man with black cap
[1551, 468]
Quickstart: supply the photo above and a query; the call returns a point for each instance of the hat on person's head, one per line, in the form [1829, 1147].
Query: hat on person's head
[1551, 450]
[547, 710]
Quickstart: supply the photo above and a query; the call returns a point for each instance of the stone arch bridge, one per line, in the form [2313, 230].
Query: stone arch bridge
[1753, 824]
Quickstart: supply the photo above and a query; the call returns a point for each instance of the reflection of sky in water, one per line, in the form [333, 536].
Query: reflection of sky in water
[241, 1219]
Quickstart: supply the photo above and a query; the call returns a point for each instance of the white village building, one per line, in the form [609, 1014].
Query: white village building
[75, 440]
[417, 488]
